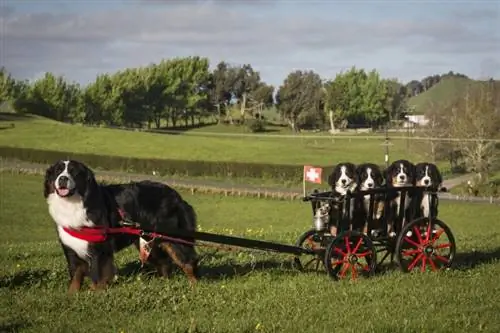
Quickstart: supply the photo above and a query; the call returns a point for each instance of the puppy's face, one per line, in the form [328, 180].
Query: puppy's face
[67, 178]
[369, 176]
[343, 176]
[401, 173]
[427, 175]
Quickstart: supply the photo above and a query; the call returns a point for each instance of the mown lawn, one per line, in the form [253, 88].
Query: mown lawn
[39, 133]
[245, 291]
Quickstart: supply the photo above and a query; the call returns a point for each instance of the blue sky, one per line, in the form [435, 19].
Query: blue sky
[401, 39]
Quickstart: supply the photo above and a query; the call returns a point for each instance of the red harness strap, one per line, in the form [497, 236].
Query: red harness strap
[99, 234]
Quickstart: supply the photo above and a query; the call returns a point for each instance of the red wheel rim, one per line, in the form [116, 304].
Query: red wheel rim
[426, 247]
[348, 255]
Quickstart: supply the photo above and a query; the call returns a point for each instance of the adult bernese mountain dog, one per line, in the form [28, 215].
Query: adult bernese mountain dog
[76, 202]
[428, 177]
[369, 176]
[342, 179]
[400, 173]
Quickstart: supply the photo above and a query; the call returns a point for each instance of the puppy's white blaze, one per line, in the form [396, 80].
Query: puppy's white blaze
[70, 212]
[341, 187]
[71, 182]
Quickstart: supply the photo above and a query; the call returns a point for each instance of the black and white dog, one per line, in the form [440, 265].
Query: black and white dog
[369, 176]
[400, 173]
[428, 177]
[82, 210]
[343, 179]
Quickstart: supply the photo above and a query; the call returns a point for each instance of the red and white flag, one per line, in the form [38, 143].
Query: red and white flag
[312, 174]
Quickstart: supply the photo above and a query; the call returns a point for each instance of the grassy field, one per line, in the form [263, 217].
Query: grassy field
[244, 291]
[36, 132]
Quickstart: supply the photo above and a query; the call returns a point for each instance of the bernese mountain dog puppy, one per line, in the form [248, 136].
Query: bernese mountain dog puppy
[427, 175]
[342, 179]
[400, 173]
[76, 201]
[369, 176]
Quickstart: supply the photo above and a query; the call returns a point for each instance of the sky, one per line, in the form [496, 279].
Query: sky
[401, 39]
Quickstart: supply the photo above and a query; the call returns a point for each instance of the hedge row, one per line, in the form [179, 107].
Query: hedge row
[165, 167]
[193, 189]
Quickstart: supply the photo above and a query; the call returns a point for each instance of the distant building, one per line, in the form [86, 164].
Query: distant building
[412, 121]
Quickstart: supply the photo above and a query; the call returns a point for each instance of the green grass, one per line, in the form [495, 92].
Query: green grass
[445, 91]
[36, 132]
[244, 291]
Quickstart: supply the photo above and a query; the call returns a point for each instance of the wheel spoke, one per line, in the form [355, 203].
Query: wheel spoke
[345, 267]
[437, 235]
[441, 258]
[424, 262]
[347, 244]
[411, 252]
[415, 261]
[411, 241]
[428, 233]
[364, 254]
[363, 267]
[338, 262]
[339, 251]
[357, 245]
[433, 265]
[442, 246]
[419, 235]
[354, 272]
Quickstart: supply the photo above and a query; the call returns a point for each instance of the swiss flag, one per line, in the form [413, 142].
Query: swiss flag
[312, 174]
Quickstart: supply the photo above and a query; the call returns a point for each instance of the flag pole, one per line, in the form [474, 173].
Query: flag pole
[304, 182]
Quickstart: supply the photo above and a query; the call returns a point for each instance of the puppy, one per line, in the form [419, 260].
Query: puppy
[342, 179]
[427, 176]
[400, 173]
[82, 210]
[369, 176]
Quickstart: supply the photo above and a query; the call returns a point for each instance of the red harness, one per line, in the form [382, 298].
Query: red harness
[99, 234]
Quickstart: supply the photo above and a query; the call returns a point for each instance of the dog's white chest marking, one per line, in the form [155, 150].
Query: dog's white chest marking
[70, 212]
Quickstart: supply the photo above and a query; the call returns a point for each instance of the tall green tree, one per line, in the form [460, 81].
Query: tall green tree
[299, 98]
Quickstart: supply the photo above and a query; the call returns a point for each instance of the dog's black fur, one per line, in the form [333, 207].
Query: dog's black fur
[393, 178]
[77, 200]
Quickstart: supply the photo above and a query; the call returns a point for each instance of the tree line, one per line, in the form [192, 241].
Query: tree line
[179, 91]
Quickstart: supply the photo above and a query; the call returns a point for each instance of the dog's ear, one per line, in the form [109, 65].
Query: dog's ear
[387, 174]
[90, 186]
[48, 186]
[330, 179]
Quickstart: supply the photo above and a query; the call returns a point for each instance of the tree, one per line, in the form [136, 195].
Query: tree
[357, 97]
[473, 120]
[299, 98]
[219, 88]
[245, 81]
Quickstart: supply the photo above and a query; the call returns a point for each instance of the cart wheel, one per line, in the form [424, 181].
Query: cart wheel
[350, 253]
[425, 243]
[313, 240]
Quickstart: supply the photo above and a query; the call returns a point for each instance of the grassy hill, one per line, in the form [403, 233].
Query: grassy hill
[444, 91]
[41, 133]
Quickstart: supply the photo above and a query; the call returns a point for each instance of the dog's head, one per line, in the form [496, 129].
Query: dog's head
[343, 177]
[369, 176]
[427, 175]
[400, 173]
[68, 178]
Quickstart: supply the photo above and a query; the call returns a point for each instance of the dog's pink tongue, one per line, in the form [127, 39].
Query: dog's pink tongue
[63, 191]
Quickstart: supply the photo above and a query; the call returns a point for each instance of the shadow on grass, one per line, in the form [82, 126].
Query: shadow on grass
[217, 271]
[14, 326]
[181, 129]
[5, 116]
[24, 278]
[469, 260]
